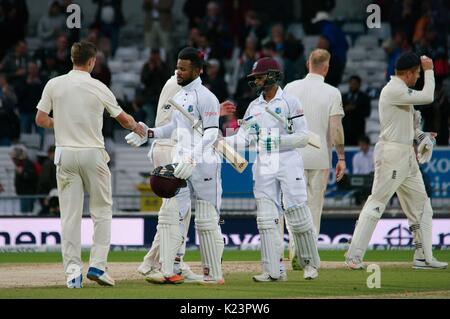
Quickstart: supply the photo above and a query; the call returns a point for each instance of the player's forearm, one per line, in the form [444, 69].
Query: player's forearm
[337, 135]
[126, 121]
[164, 131]
[44, 120]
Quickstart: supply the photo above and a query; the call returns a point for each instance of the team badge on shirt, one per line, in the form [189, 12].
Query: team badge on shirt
[278, 110]
[410, 91]
[190, 109]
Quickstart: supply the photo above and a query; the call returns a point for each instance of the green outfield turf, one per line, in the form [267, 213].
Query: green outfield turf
[396, 280]
[229, 255]
[331, 283]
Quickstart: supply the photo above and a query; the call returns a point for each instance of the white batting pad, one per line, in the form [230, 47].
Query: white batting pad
[211, 239]
[170, 235]
[305, 239]
[271, 243]
[365, 227]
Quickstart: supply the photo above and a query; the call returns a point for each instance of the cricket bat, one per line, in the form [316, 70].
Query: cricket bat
[236, 160]
[314, 139]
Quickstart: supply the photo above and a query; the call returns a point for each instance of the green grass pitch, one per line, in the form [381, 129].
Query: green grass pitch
[397, 280]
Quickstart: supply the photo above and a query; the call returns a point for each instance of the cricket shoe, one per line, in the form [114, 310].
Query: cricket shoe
[100, 276]
[434, 264]
[75, 281]
[265, 277]
[209, 281]
[144, 269]
[190, 276]
[354, 263]
[157, 277]
[310, 273]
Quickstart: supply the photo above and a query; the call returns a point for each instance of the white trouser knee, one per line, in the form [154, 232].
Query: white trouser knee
[303, 232]
[365, 227]
[211, 239]
[271, 243]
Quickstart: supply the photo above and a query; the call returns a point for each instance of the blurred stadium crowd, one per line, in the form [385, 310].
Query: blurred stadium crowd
[136, 59]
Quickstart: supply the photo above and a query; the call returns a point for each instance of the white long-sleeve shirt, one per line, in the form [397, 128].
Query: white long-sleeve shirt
[202, 105]
[396, 108]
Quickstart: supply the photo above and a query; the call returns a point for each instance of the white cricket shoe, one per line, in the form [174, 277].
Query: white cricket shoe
[207, 280]
[434, 264]
[190, 276]
[144, 269]
[74, 277]
[155, 277]
[310, 273]
[354, 263]
[265, 277]
[100, 276]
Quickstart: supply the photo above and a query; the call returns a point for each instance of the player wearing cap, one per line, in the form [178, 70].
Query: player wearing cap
[396, 167]
[278, 168]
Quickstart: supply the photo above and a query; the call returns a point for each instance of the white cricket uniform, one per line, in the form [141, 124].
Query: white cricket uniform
[320, 101]
[205, 181]
[78, 102]
[282, 171]
[396, 167]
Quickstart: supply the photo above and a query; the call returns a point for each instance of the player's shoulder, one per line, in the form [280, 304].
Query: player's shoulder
[290, 99]
[205, 95]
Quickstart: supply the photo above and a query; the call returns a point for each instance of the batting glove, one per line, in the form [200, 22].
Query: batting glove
[185, 168]
[425, 148]
[268, 143]
[135, 140]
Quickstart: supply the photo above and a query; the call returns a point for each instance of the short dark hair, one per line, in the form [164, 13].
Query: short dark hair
[355, 77]
[82, 51]
[364, 139]
[193, 55]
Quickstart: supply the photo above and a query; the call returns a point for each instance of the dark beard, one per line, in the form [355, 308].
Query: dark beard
[185, 82]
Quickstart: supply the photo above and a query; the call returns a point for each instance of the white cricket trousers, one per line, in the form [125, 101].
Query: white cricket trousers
[80, 170]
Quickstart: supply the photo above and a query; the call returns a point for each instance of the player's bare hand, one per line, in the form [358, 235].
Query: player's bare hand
[340, 170]
[141, 129]
[227, 108]
[427, 63]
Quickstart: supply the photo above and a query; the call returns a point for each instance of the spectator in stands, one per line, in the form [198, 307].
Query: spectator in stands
[47, 179]
[214, 81]
[363, 160]
[49, 68]
[404, 15]
[110, 19]
[244, 96]
[209, 49]
[9, 121]
[249, 56]
[217, 29]
[253, 28]
[443, 114]
[154, 75]
[15, 64]
[393, 48]
[25, 179]
[13, 16]
[195, 11]
[277, 36]
[294, 59]
[269, 49]
[51, 25]
[158, 24]
[332, 39]
[28, 95]
[357, 108]
[101, 70]
[62, 54]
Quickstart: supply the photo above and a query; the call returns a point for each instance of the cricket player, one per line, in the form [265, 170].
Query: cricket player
[197, 162]
[161, 154]
[278, 168]
[322, 106]
[77, 102]
[396, 167]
